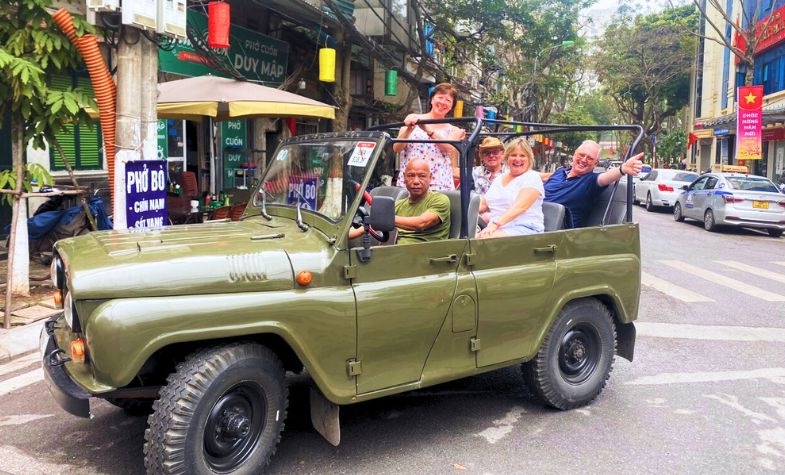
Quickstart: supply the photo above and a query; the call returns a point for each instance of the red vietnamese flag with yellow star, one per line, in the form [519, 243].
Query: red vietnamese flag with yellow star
[749, 117]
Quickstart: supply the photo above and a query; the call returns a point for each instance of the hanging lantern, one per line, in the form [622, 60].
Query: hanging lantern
[218, 20]
[391, 83]
[291, 124]
[479, 112]
[327, 64]
[458, 109]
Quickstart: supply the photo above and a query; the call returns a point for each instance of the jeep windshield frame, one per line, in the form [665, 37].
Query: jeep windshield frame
[478, 128]
[321, 174]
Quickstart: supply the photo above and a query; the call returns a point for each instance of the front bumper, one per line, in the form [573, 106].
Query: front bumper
[70, 396]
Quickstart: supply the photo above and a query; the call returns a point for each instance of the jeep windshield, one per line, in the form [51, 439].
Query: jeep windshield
[321, 176]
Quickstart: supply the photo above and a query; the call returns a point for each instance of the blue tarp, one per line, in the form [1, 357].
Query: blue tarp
[42, 224]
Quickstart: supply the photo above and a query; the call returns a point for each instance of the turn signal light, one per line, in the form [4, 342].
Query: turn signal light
[57, 296]
[304, 278]
[664, 187]
[731, 199]
[77, 350]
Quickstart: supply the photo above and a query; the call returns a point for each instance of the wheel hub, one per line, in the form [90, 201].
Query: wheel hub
[234, 425]
[579, 353]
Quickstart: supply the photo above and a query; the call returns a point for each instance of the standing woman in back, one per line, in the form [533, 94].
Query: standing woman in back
[442, 158]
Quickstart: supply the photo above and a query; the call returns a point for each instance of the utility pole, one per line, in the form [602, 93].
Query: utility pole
[137, 82]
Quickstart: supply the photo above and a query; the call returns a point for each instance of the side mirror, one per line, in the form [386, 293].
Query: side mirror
[382, 216]
[685, 187]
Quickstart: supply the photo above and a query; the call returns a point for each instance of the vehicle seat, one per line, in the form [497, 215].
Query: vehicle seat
[393, 192]
[554, 214]
[473, 213]
[618, 209]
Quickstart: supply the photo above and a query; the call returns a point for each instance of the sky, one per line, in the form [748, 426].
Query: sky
[602, 11]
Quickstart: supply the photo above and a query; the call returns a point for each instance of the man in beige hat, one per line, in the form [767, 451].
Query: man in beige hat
[492, 165]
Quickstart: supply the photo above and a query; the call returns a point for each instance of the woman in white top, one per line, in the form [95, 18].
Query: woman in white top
[515, 198]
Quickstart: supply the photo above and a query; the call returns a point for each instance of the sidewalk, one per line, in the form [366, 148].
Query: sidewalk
[28, 314]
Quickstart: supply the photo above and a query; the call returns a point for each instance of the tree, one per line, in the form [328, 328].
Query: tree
[644, 63]
[31, 50]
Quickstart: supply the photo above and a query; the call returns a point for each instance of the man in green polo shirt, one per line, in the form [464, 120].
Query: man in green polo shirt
[425, 214]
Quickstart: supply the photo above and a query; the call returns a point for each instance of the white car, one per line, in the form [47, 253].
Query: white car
[661, 187]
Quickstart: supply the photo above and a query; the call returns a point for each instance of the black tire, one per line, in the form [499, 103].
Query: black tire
[678, 216]
[709, 224]
[222, 411]
[775, 233]
[649, 205]
[133, 407]
[576, 357]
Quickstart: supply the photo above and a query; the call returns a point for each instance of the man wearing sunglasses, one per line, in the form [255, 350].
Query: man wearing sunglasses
[577, 187]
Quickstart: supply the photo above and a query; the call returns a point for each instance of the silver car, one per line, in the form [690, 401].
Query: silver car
[661, 187]
[733, 199]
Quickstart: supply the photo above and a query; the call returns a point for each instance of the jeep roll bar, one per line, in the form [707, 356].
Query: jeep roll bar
[467, 147]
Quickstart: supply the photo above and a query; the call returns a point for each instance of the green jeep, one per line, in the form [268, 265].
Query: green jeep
[197, 325]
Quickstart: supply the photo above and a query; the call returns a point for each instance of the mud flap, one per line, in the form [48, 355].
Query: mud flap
[325, 417]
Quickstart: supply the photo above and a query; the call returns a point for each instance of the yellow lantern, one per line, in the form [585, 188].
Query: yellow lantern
[327, 64]
[458, 109]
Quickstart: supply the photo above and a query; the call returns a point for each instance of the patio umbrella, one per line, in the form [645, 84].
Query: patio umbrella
[224, 99]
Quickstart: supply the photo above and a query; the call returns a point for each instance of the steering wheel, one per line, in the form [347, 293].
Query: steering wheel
[367, 198]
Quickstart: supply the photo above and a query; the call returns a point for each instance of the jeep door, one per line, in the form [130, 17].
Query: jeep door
[403, 296]
[514, 278]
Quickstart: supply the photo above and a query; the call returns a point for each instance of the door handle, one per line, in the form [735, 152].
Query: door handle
[546, 250]
[451, 259]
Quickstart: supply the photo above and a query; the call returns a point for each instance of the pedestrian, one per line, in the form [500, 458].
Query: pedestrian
[442, 158]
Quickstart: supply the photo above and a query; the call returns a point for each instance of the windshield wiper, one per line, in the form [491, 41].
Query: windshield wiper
[299, 220]
[264, 204]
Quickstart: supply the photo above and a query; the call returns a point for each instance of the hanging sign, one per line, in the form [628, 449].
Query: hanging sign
[145, 193]
[258, 57]
[302, 191]
[163, 140]
[749, 118]
[234, 140]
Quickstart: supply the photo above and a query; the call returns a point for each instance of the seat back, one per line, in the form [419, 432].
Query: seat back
[393, 192]
[455, 213]
[618, 210]
[189, 185]
[554, 214]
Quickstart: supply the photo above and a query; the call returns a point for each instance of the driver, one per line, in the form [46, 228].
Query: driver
[425, 214]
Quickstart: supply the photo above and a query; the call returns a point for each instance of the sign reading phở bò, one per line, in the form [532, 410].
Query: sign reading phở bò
[145, 193]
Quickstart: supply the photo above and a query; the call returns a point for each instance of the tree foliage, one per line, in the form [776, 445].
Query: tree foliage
[32, 49]
[643, 63]
[518, 41]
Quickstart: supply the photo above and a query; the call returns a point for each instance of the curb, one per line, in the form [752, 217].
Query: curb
[18, 341]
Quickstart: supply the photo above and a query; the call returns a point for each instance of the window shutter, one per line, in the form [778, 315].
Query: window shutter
[82, 147]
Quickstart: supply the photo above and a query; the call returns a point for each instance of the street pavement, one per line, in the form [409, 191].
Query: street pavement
[706, 392]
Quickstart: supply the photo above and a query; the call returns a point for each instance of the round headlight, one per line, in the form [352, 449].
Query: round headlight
[68, 309]
[53, 268]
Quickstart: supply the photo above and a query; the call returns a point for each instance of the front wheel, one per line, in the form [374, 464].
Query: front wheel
[576, 358]
[222, 411]
[678, 216]
[709, 224]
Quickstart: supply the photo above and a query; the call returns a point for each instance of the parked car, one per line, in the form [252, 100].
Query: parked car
[661, 186]
[733, 199]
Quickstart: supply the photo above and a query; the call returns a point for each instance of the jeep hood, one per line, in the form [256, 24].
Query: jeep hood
[220, 257]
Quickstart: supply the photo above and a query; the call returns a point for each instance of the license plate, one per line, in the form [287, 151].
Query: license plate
[760, 204]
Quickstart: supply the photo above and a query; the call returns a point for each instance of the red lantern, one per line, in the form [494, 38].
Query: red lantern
[218, 24]
[291, 123]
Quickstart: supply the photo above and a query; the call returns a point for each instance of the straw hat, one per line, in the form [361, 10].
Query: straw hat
[491, 142]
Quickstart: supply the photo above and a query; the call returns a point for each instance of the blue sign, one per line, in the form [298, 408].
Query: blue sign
[302, 190]
[718, 132]
[145, 193]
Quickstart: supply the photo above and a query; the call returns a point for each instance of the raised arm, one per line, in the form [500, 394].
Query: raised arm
[630, 167]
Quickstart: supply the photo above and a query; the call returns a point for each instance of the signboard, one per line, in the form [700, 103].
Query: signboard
[163, 140]
[721, 132]
[258, 57]
[302, 190]
[749, 118]
[774, 133]
[145, 193]
[234, 144]
[774, 32]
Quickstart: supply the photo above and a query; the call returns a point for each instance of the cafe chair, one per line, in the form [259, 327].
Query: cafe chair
[221, 213]
[237, 211]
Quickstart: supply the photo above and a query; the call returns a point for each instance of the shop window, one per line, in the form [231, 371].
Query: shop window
[81, 145]
[770, 70]
[359, 82]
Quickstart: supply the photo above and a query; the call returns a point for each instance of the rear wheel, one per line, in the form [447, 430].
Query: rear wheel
[775, 233]
[222, 411]
[708, 221]
[649, 204]
[576, 358]
[678, 216]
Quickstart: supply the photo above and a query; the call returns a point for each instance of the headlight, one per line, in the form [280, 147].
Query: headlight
[69, 310]
[57, 272]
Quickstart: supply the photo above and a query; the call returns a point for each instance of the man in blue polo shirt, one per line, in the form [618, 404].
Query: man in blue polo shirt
[577, 187]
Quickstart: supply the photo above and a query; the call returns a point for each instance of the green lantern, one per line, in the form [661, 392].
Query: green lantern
[391, 83]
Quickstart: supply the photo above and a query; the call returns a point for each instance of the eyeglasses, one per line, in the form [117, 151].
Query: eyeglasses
[585, 156]
[493, 151]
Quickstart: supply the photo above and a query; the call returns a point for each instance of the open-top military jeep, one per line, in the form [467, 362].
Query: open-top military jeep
[197, 324]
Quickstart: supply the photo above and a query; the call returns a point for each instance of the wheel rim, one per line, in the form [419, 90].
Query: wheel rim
[234, 426]
[708, 220]
[677, 211]
[579, 353]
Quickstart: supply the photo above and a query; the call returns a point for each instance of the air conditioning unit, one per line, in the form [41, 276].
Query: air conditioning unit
[103, 5]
